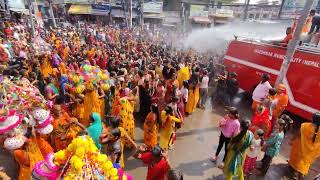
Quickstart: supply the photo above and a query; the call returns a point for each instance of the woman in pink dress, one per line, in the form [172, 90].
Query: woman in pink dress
[180, 104]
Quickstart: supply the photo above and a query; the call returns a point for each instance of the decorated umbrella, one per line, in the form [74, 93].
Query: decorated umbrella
[21, 106]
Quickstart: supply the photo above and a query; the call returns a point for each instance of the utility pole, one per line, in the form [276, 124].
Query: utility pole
[130, 14]
[52, 14]
[6, 7]
[183, 14]
[281, 7]
[295, 40]
[246, 10]
[141, 11]
[124, 6]
[31, 17]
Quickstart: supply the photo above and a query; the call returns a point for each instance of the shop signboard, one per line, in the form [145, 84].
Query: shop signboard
[79, 1]
[199, 11]
[153, 7]
[100, 9]
[16, 4]
[293, 8]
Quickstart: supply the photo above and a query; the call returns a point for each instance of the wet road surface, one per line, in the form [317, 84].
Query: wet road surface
[197, 141]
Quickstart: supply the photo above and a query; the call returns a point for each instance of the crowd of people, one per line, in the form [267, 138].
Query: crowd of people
[98, 81]
[245, 140]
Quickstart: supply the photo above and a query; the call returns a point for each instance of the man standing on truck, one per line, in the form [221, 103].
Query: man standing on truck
[315, 22]
[284, 42]
[314, 29]
[261, 91]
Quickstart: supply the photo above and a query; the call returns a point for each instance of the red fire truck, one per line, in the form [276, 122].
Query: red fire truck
[250, 59]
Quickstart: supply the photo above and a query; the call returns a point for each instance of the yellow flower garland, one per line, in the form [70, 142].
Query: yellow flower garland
[83, 150]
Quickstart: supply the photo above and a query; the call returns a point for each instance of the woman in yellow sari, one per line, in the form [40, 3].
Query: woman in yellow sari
[116, 99]
[305, 147]
[45, 66]
[193, 98]
[183, 75]
[65, 53]
[150, 129]
[101, 102]
[58, 43]
[167, 127]
[237, 152]
[27, 158]
[33, 151]
[91, 103]
[63, 68]
[91, 53]
[127, 119]
[61, 119]
[78, 106]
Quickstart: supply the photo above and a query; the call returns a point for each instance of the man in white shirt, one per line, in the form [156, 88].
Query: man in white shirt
[185, 92]
[261, 91]
[204, 89]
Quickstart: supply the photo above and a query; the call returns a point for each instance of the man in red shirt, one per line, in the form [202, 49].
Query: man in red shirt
[158, 165]
[286, 40]
[289, 36]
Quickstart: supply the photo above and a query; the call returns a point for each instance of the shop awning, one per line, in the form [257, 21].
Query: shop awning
[172, 17]
[153, 15]
[80, 9]
[18, 10]
[153, 7]
[203, 20]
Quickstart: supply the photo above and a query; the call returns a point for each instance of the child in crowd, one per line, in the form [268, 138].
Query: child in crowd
[272, 146]
[185, 92]
[113, 143]
[253, 152]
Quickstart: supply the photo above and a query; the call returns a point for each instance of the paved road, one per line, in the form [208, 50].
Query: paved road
[198, 140]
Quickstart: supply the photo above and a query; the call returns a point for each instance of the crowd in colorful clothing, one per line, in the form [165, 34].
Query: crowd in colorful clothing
[96, 82]
[245, 140]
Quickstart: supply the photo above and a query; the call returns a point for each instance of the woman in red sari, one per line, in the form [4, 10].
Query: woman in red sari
[261, 120]
[150, 127]
[156, 161]
[158, 96]
[170, 84]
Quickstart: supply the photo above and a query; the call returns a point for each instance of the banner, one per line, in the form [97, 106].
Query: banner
[16, 4]
[199, 11]
[293, 8]
[100, 9]
[222, 12]
[79, 1]
[153, 7]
